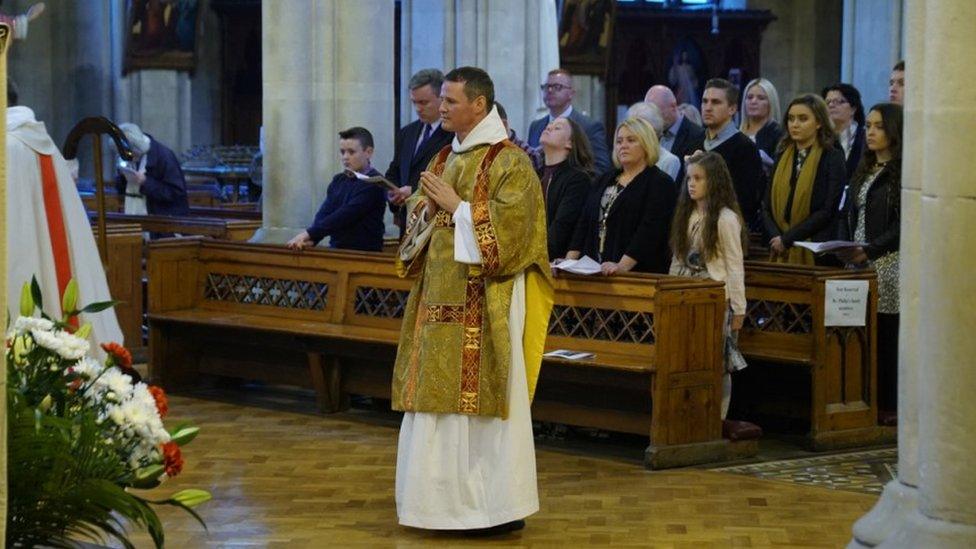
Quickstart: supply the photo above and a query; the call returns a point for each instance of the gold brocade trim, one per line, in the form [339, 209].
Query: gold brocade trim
[471, 348]
[443, 219]
[481, 214]
[451, 314]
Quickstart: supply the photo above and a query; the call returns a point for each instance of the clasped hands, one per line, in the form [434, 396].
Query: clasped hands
[440, 195]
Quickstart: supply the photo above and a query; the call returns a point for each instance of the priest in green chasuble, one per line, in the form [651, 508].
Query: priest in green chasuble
[475, 324]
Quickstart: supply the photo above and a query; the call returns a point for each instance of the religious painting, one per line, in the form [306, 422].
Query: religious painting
[161, 34]
[686, 72]
[586, 35]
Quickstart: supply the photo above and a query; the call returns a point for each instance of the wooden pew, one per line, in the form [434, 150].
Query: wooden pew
[785, 326]
[229, 210]
[124, 274]
[331, 319]
[225, 229]
[200, 197]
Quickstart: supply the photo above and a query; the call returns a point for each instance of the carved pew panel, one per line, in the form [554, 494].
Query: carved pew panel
[124, 276]
[785, 324]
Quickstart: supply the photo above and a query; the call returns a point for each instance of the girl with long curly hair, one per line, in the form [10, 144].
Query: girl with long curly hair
[708, 237]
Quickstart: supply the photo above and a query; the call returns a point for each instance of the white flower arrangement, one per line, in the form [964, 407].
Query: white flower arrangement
[93, 422]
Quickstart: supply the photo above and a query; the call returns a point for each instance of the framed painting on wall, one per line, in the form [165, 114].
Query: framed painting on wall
[161, 34]
[586, 35]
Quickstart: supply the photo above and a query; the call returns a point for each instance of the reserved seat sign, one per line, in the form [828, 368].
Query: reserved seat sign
[845, 302]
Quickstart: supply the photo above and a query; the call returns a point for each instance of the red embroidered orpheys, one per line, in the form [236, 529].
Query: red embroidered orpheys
[474, 311]
[55, 225]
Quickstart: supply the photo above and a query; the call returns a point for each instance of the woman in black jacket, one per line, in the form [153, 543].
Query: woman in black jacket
[565, 180]
[627, 215]
[847, 113]
[872, 214]
[807, 182]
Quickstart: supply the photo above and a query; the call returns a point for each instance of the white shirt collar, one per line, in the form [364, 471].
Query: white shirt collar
[564, 114]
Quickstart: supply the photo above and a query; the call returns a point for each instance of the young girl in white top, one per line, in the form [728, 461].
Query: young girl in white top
[707, 239]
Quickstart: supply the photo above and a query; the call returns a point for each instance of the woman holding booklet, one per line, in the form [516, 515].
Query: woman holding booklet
[627, 214]
[872, 214]
[808, 177]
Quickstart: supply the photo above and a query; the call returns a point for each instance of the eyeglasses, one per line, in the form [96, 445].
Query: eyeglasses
[555, 87]
[836, 101]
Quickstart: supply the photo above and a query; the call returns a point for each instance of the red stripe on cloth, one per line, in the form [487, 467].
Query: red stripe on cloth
[55, 225]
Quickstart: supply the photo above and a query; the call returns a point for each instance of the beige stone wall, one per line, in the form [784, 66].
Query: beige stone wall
[801, 49]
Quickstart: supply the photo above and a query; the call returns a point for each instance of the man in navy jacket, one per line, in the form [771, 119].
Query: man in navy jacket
[155, 175]
[352, 214]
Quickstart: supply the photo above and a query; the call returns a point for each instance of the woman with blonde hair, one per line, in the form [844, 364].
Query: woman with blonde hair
[627, 215]
[807, 182]
[760, 117]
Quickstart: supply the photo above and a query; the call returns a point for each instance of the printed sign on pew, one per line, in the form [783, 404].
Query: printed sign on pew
[845, 302]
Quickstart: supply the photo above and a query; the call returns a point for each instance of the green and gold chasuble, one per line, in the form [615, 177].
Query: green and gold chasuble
[455, 348]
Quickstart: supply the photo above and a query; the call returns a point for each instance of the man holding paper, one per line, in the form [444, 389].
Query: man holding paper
[352, 213]
[153, 181]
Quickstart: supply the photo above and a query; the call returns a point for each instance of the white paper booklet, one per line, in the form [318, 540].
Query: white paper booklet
[568, 355]
[584, 266]
[829, 246]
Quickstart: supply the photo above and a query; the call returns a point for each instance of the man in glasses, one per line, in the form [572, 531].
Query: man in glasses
[557, 93]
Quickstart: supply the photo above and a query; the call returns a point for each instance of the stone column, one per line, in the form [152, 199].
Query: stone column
[514, 40]
[872, 43]
[327, 65]
[940, 305]
[900, 496]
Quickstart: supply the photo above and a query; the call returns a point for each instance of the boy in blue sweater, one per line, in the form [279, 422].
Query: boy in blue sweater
[352, 214]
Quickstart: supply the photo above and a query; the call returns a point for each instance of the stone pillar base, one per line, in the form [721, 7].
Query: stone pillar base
[897, 501]
[919, 530]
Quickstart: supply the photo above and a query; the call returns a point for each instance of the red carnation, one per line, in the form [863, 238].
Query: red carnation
[162, 404]
[172, 459]
[120, 356]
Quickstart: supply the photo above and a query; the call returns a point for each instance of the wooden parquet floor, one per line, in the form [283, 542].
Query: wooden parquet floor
[283, 479]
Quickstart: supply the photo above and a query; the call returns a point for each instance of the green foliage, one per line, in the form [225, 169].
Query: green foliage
[70, 460]
[66, 483]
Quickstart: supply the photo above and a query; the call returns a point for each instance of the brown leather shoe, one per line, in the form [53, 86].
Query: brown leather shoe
[734, 429]
[888, 418]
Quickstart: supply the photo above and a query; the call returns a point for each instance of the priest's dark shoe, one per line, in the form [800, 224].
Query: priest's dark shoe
[496, 530]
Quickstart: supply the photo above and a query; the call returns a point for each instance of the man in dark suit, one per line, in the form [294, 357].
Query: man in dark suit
[681, 136]
[417, 142]
[558, 96]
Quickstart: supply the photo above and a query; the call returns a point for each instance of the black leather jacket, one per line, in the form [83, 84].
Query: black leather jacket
[882, 221]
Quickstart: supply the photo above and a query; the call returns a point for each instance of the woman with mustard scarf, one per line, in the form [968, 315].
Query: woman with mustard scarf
[808, 178]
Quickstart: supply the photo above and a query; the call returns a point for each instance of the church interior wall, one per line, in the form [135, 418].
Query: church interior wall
[801, 49]
[70, 67]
